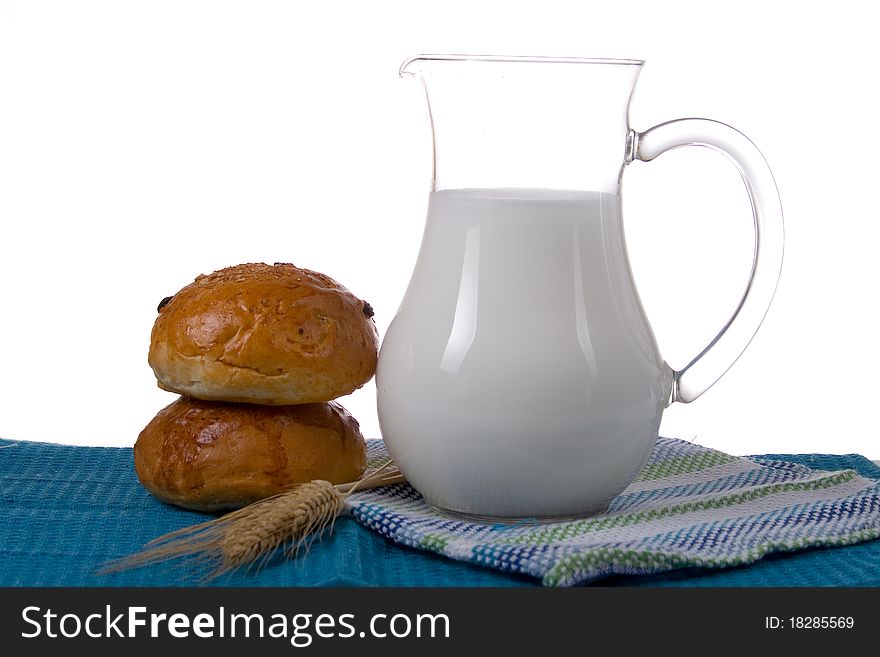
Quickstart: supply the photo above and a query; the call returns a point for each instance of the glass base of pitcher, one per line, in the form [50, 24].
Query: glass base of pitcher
[512, 520]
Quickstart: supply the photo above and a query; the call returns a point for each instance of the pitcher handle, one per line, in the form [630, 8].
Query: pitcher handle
[726, 347]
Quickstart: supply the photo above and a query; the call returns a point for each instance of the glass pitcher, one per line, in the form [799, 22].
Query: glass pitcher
[520, 377]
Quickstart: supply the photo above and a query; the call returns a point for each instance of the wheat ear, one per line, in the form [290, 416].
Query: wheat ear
[250, 535]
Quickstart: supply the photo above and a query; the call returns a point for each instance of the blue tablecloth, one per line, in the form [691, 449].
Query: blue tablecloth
[65, 511]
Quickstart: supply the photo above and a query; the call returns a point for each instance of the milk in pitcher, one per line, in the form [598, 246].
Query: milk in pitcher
[520, 367]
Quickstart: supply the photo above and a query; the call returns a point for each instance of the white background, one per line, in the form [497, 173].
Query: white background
[143, 143]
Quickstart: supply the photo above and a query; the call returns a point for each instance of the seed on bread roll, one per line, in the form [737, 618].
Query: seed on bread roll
[212, 456]
[264, 334]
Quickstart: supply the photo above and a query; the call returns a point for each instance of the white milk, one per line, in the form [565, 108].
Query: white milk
[520, 377]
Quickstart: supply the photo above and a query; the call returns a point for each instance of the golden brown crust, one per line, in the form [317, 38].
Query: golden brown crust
[264, 334]
[212, 456]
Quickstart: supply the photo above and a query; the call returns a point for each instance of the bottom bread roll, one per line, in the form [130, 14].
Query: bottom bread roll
[212, 456]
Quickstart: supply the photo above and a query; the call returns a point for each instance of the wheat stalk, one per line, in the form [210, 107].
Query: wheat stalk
[251, 535]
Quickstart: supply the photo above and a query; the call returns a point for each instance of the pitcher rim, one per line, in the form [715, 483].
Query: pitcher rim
[539, 59]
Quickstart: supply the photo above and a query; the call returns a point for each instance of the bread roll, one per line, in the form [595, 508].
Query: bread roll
[212, 456]
[264, 334]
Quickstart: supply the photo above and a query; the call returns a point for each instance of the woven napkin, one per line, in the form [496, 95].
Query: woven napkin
[690, 507]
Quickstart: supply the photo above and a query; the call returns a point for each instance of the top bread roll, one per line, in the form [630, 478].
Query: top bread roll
[264, 334]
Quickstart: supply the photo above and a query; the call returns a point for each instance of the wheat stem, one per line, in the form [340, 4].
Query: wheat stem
[251, 535]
